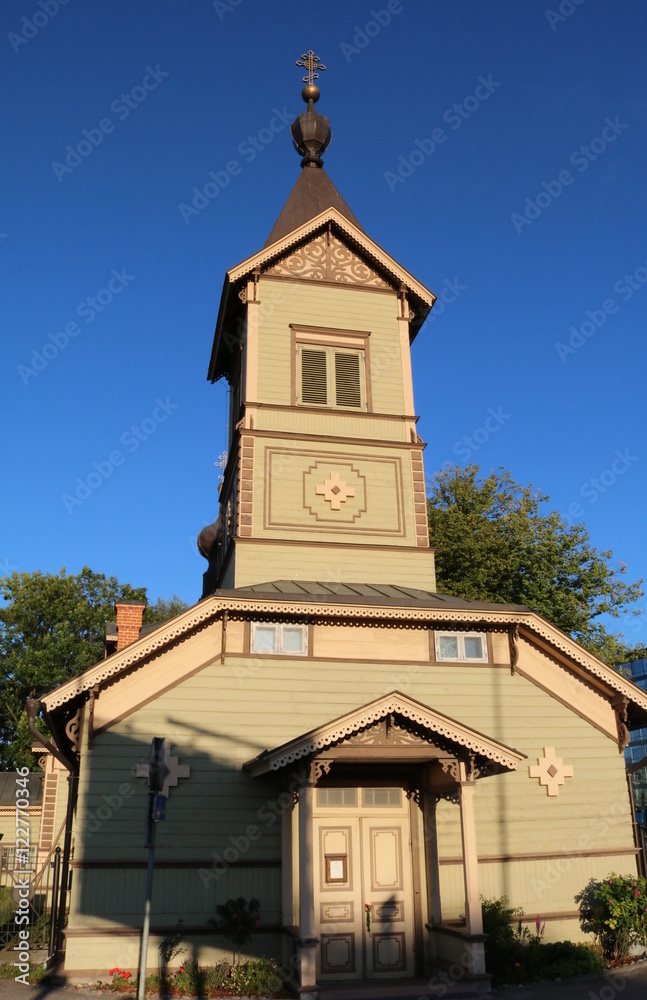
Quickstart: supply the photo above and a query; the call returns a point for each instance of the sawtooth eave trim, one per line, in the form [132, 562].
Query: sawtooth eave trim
[410, 616]
[394, 703]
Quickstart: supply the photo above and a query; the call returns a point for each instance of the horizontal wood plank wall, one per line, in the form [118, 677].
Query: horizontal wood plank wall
[500, 647]
[364, 642]
[93, 956]
[539, 887]
[178, 894]
[340, 423]
[229, 712]
[162, 671]
[329, 563]
[344, 308]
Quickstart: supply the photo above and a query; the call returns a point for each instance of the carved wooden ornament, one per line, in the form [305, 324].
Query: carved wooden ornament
[551, 771]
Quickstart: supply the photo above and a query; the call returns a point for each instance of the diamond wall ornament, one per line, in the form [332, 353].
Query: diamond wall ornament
[551, 771]
[334, 490]
[173, 770]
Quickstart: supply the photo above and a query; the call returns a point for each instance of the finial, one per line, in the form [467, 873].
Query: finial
[310, 62]
[310, 131]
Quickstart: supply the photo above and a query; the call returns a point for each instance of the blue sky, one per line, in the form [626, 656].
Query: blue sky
[495, 149]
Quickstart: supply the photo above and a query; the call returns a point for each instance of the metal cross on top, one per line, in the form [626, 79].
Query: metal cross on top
[310, 62]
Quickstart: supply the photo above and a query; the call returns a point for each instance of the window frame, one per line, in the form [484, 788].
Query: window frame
[461, 636]
[331, 341]
[279, 649]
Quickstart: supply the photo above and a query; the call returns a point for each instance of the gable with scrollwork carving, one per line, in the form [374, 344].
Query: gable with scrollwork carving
[385, 733]
[326, 258]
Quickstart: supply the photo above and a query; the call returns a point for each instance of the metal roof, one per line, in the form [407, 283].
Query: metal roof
[8, 788]
[363, 593]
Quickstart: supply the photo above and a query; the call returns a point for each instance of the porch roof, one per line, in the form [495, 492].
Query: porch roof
[462, 739]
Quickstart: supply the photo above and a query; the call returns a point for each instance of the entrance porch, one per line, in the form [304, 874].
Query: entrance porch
[360, 867]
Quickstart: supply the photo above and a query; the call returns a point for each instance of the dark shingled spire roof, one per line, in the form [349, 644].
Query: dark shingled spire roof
[312, 194]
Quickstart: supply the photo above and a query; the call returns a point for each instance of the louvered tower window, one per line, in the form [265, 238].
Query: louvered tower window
[331, 377]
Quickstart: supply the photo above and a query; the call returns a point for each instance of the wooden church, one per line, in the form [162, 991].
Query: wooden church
[364, 755]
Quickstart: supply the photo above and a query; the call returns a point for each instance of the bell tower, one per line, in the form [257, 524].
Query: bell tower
[324, 479]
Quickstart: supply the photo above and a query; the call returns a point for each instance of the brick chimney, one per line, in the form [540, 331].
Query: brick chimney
[130, 615]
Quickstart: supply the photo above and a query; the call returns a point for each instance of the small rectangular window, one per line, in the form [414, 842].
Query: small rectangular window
[462, 647]
[265, 639]
[293, 638]
[389, 797]
[336, 796]
[333, 377]
[8, 862]
[269, 637]
[448, 647]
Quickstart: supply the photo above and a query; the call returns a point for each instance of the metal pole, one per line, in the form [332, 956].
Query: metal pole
[56, 865]
[143, 954]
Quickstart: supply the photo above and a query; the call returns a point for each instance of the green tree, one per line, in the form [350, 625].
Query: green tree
[52, 628]
[496, 541]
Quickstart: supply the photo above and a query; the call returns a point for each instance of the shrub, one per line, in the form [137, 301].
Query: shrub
[7, 905]
[170, 946]
[249, 979]
[615, 911]
[238, 921]
[513, 954]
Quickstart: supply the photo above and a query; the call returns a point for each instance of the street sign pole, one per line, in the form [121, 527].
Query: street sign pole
[156, 813]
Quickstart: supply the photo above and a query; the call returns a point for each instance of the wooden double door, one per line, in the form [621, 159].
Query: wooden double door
[363, 884]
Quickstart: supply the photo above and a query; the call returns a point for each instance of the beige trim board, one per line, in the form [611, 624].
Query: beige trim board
[413, 616]
[173, 864]
[410, 549]
[303, 280]
[397, 417]
[489, 859]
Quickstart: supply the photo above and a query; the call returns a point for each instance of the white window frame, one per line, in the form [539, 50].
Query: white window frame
[461, 636]
[331, 384]
[279, 649]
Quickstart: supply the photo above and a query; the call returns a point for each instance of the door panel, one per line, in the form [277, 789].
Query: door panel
[389, 893]
[363, 892]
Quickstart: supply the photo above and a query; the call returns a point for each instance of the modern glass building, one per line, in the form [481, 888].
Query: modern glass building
[637, 749]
